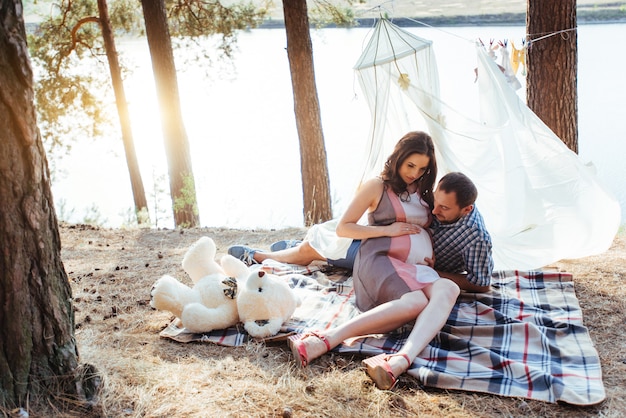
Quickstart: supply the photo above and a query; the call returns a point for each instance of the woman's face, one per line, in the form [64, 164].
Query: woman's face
[413, 167]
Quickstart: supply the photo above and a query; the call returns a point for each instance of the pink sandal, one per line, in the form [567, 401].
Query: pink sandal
[379, 370]
[306, 348]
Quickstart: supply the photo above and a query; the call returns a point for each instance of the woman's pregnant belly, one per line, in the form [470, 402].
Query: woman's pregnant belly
[412, 249]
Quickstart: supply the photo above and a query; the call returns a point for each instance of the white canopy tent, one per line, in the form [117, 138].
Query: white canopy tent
[540, 202]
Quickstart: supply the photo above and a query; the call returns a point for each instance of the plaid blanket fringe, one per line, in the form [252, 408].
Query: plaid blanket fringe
[525, 338]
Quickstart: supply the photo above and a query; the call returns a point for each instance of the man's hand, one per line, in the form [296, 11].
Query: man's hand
[463, 283]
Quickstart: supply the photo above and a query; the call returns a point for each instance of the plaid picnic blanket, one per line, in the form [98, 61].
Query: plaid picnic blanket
[524, 338]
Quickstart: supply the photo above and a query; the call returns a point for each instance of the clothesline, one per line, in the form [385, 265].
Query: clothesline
[549, 34]
[527, 41]
[517, 56]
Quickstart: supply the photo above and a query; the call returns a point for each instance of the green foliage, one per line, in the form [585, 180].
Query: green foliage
[142, 217]
[200, 18]
[126, 17]
[93, 216]
[63, 213]
[68, 57]
[210, 29]
[325, 12]
[187, 199]
[72, 77]
[133, 219]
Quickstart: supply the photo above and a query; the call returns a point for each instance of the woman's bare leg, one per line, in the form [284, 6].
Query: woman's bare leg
[442, 297]
[383, 318]
[431, 306]
[302, 255]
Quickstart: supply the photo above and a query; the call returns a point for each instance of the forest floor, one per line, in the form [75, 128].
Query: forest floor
[111, 272]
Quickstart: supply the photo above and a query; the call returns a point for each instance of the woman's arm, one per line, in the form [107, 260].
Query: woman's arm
[366, 200]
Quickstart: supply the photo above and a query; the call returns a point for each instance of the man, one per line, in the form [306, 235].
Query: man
[462, 245]
[461, 242]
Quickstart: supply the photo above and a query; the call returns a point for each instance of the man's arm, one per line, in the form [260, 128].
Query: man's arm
[464, 284]
[459, 278]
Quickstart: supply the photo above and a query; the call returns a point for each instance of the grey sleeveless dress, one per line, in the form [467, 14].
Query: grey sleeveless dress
[386, 268]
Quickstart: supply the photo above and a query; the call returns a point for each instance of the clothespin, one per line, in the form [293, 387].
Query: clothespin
[491, 48]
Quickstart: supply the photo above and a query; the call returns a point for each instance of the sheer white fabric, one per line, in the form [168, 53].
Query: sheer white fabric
[540, 203]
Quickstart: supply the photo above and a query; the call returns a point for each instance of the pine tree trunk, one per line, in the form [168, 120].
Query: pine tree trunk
[314, 164]
[139, 194]
[182, 187]
[38, 353]
[552, 67]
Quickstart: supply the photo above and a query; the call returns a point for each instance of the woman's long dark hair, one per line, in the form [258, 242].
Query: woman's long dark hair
[417, 142]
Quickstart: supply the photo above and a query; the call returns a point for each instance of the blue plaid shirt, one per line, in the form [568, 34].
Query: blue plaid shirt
[464, 247]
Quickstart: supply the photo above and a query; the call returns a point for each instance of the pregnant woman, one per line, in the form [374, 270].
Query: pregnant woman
[393, 283]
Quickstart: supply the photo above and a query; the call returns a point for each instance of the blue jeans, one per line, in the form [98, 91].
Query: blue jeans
[348, 262]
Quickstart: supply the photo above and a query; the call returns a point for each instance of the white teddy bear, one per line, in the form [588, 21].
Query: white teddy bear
[265, 302]
[210, 304]
[224, 294]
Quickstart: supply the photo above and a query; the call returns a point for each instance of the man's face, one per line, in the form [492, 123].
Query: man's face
[446, 208]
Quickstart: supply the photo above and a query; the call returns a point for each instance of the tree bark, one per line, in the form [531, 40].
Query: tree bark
[38, 352]
[139, 194]
[313, 160]
[182, 187]
[551, 83]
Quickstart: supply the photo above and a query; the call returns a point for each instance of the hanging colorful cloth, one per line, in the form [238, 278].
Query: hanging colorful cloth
[518, 57]
[507, 68]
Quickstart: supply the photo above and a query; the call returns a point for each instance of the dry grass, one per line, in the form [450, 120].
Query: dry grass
[112, 271]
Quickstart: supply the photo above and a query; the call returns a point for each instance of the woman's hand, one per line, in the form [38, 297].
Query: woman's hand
[397, 229]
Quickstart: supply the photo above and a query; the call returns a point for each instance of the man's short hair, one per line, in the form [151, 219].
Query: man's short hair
[460, 184]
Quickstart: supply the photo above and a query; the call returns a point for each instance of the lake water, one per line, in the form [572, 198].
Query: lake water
[242, 133]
